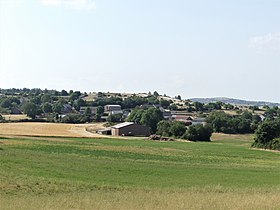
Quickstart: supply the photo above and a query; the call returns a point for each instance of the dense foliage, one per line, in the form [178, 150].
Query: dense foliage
[178, 130]
[198, 133]
[222, 122]
[148, 117]
[268, 135]
[171, 128]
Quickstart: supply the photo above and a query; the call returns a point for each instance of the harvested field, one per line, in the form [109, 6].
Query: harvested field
[15, 117]
[49, 129]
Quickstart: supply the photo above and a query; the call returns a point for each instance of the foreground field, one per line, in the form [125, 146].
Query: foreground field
[73, 173]
[49, 129]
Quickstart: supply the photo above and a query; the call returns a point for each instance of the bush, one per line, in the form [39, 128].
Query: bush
[169, 128]
[198, 133]
[149, 117]
[177, 129]
[267, 135]
[222, 122]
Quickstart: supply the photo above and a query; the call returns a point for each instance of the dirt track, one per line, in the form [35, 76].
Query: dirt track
[49, 129]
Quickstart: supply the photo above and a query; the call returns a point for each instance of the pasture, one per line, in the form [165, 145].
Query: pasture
[98, 173]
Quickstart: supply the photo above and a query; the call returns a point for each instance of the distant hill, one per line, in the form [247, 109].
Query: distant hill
[233, 101]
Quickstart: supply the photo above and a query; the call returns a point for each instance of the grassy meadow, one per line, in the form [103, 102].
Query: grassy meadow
[84, 173]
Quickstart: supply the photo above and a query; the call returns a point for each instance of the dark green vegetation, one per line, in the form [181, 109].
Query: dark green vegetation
[268, 135]
[177, 129]
[225, 123]
[59, 165]
[198, 133]
[148, 117]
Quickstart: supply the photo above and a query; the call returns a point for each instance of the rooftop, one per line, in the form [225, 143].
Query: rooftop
[121, 125]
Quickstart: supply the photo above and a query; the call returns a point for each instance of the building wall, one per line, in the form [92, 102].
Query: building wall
[131, 130]
[112, 108]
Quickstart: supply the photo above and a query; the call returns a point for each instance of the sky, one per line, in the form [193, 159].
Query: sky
[192, 48]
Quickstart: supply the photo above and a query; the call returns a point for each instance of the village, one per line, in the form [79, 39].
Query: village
[114, 110]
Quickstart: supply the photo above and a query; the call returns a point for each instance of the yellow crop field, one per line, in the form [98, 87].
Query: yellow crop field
[49, 129]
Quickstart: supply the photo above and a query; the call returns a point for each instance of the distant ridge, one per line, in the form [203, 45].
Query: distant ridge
[233, 101]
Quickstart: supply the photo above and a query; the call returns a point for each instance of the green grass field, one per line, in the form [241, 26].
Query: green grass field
[72, 173]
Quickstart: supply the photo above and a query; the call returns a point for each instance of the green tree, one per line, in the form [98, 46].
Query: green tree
[88, 115]
[88, 112]
[30, 109]
[47, 107]
[177, 129]
[100, 110]
[266, 133]
[173, 107]
[198, 133]
[135, 116]
[218, 120]
[163, 128]
[46, 98]
[156, 94]
[57, 107]
[151, 117]
[64, 93]
[199, 106]
[36, 100]
[75, 95]
[79, 103]
[164, 103]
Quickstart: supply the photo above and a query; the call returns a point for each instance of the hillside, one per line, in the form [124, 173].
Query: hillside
[234, 101]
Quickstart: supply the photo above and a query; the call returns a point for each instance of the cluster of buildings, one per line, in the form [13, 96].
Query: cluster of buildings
[132, 129]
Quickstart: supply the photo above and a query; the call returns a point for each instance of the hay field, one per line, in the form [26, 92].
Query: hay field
[49, 129]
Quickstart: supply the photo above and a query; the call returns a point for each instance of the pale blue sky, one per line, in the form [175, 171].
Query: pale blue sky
[193, 48]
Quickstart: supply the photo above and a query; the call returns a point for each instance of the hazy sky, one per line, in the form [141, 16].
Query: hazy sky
[197, 48]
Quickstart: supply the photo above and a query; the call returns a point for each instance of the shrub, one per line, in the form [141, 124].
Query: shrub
[198, 133]
[169, 128]
[267, 135]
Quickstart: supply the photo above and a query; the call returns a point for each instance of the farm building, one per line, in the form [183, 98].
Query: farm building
[114, 112]
[183, 118]
[15, 110]
[109, 108]
[106, 131]
[130, 129]
[199, 121]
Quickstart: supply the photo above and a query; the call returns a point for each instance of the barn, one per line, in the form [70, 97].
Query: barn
[130, 129]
